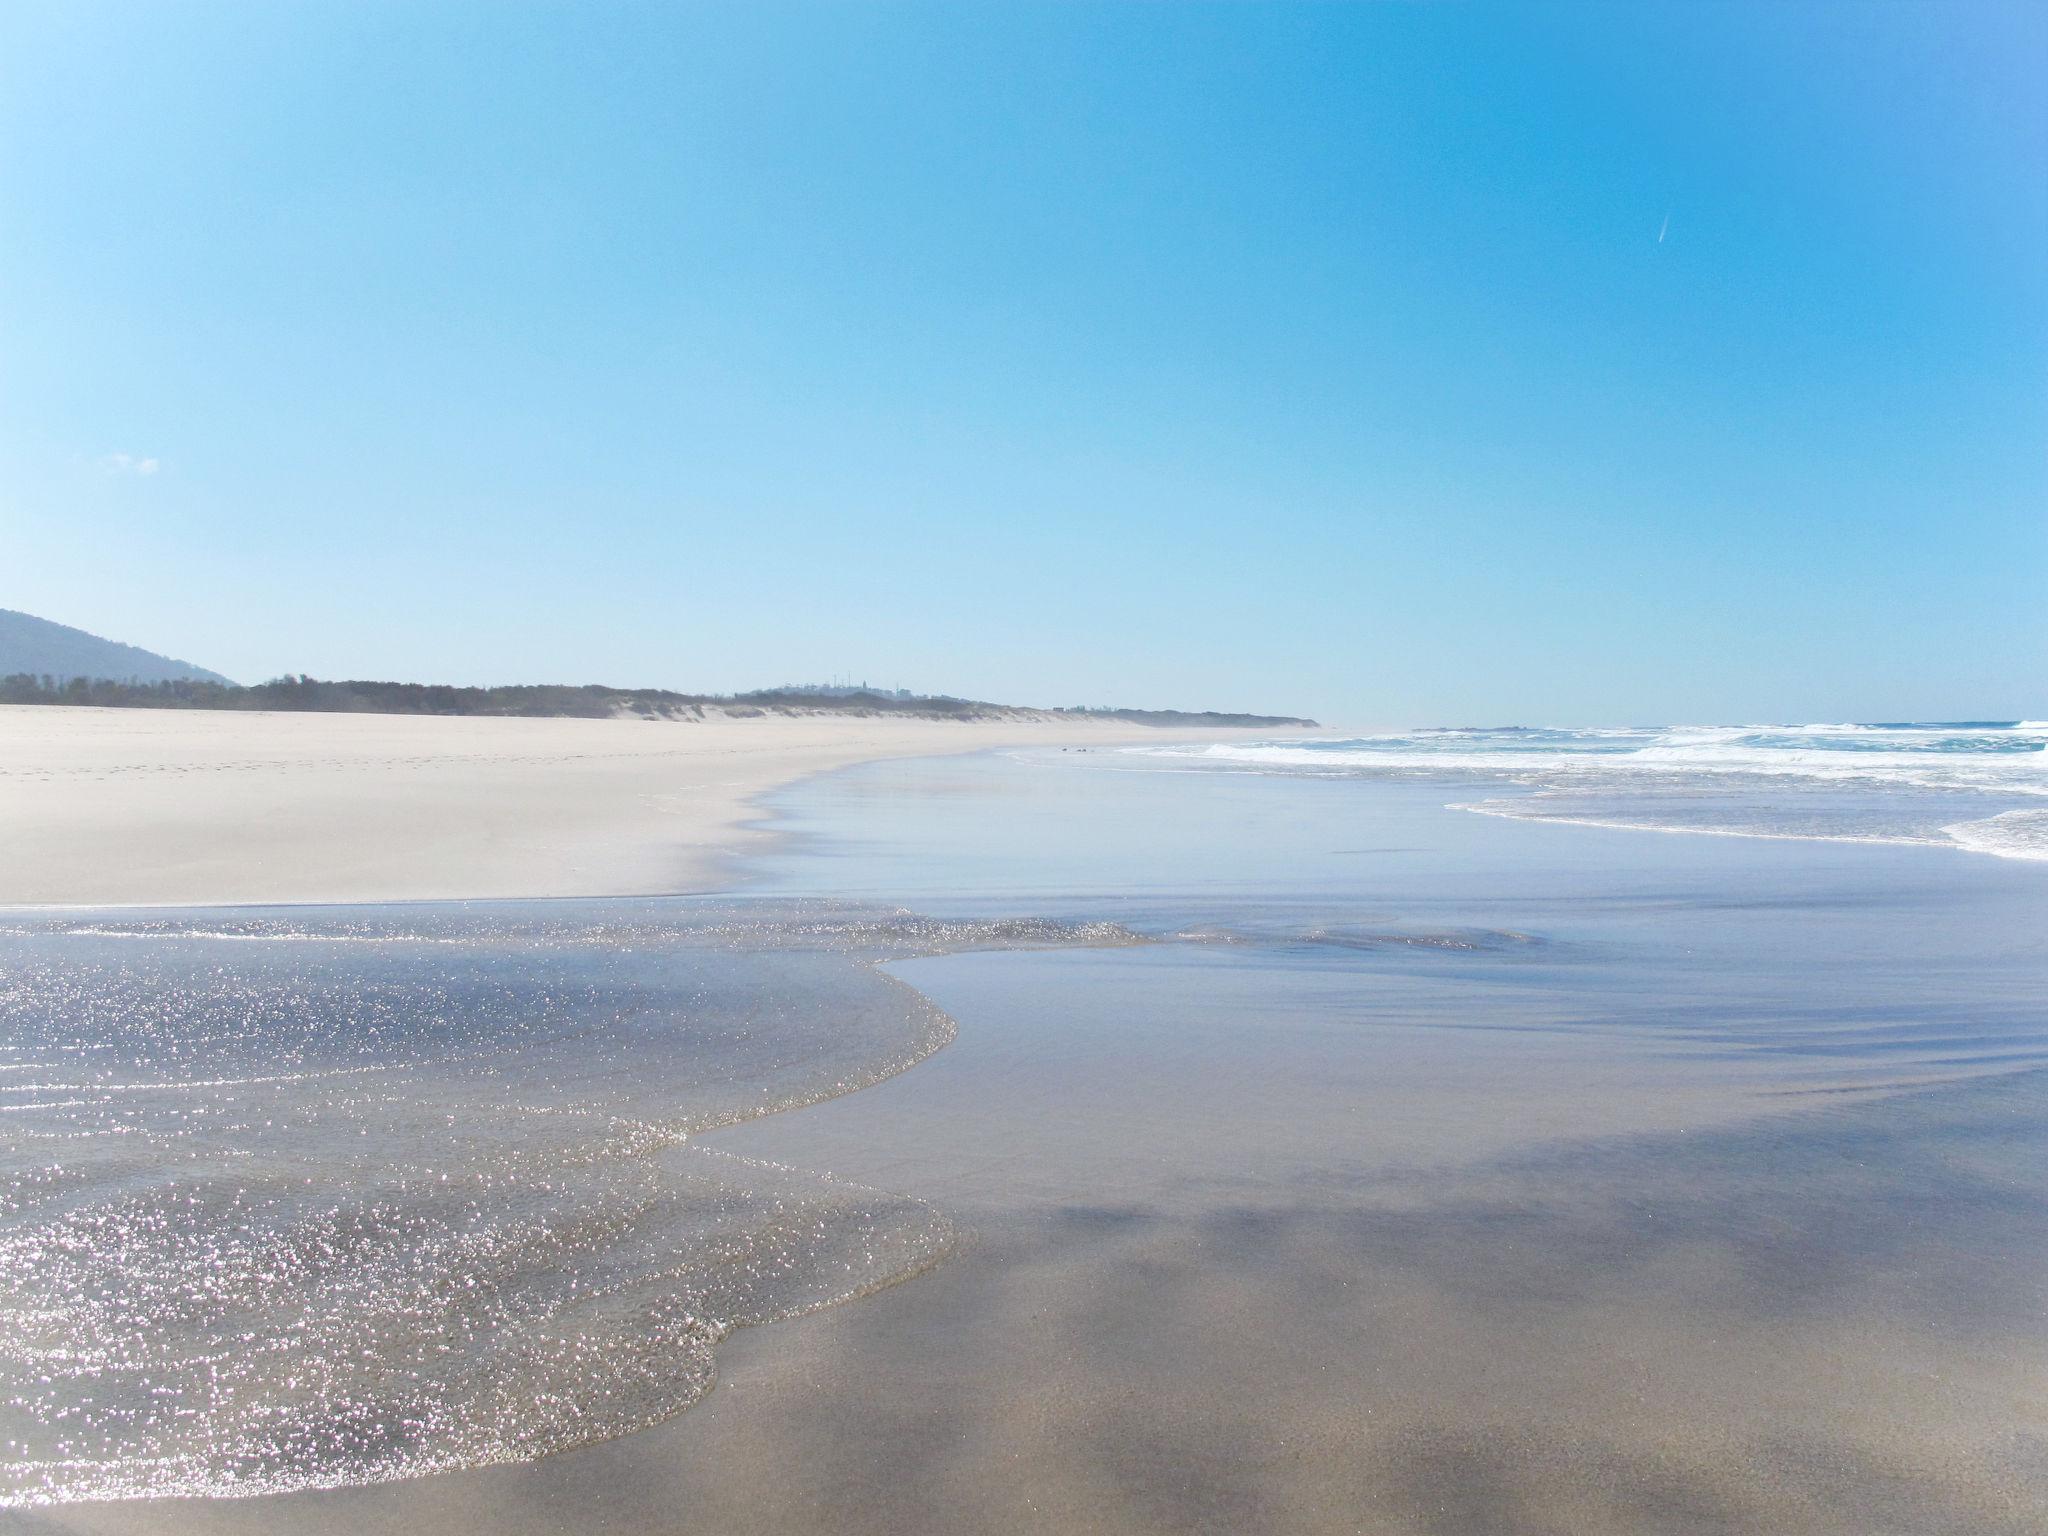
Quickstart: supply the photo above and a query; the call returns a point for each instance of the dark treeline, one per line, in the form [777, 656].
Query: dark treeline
[359, 696]
[590, 701]
[27, 688]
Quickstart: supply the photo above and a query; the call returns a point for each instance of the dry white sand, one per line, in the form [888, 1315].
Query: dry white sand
[141, 806]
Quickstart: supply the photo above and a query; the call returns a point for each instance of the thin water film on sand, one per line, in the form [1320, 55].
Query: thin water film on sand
[334, 1197]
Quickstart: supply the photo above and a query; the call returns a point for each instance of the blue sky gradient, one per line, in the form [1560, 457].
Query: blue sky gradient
[1394, 363]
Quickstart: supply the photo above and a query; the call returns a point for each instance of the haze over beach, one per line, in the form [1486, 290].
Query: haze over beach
[1118, 769]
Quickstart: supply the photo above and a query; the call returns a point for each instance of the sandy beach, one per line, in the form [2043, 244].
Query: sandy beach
[159, 807]
[669, 858]
[1421, 1173]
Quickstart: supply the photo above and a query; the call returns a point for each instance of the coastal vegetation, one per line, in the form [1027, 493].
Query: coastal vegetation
[590, 701]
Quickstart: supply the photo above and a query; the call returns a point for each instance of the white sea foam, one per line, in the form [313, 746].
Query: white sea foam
[2011, 835]
[2011, 759]
[1912, 783]
[1524, 810]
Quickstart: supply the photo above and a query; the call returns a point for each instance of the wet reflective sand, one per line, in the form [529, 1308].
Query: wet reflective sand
[1432, 1174]
[331, 1197]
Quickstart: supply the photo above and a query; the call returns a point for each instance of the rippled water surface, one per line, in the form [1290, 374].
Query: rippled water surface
[1333, 1158]
[327, 1197]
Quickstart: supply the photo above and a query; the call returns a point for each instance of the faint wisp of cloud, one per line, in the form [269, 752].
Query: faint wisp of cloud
[130, 464]
[1664, 228]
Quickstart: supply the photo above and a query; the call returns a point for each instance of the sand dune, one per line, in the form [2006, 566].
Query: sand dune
[113, 806]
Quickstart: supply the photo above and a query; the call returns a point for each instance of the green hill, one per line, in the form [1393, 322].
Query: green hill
[39, 648]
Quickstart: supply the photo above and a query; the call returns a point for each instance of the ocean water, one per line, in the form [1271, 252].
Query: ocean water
[1975, 784]
[1330, 1155]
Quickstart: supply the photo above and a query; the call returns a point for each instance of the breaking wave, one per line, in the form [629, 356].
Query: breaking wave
[1957, 784]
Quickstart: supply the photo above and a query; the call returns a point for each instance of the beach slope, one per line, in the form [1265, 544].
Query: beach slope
[147, 807]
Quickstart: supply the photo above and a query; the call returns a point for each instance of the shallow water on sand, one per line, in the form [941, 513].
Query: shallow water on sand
[1462, 1175]
[324, 1197]
[1326, 1159]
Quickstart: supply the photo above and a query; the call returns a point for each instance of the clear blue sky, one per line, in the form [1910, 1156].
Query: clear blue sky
[1397, 362]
